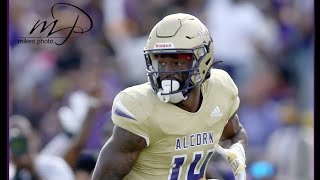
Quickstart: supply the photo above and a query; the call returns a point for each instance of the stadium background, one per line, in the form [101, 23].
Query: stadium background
[266, 46]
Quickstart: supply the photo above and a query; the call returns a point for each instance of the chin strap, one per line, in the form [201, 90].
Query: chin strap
[170, 85]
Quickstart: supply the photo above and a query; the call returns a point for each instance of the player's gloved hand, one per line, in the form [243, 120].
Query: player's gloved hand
[236, 158]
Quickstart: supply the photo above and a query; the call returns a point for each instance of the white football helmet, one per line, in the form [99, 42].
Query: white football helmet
[179, 34]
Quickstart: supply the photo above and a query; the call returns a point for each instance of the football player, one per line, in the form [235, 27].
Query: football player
[169, 127]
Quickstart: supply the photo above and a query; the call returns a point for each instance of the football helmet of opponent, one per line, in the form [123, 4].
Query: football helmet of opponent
[174, 138]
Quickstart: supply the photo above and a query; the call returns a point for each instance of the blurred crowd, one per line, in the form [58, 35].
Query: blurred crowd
[61, 96]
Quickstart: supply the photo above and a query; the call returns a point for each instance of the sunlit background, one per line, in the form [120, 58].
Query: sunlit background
[266, 46]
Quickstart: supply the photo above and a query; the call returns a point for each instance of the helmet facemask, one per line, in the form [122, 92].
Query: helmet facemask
[164, 84]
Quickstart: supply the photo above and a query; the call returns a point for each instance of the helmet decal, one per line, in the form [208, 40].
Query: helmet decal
[163, 45]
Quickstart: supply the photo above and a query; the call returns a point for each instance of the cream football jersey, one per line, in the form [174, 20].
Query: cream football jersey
[179, 143]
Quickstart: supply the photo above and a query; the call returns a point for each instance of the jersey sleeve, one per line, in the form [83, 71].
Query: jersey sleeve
[235, 100]
[128, 113]
[230, 89]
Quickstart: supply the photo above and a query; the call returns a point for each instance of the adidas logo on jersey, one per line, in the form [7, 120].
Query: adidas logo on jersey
[216, 112]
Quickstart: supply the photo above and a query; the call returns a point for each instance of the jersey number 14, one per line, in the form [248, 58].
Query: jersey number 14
[193, 171]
